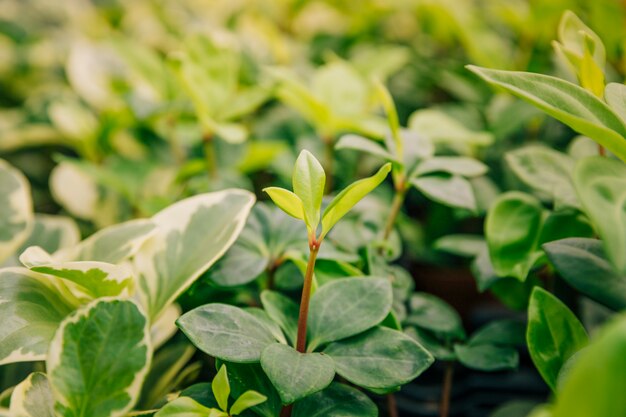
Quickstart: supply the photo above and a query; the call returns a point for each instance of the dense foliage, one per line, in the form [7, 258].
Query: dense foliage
[213, 209]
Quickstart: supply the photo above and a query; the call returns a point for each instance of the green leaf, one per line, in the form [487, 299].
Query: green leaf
[268, 322]
[512, 228]
[16, 210]
[566, 102]
[112, 244]
[247, 400]
[594, 386]
[506, 332]
[246, 376]
[91, 279]
[554, 334]
[184, 407]
[543, 169]
[338, 400]
[226, 332]
[360, 143]
[459, 165]
[574, 36]
[454, 190]
[434, 314]
[283, 311]
[85, 367]
[380, 358]
[461, 245]
[192, 235]
[601, 186]
[286, 201]
[221, 388]
[431, 343]
[487, 357]
[583, 265]
[349, 196]
[32, 309]
[615, 96]
[296, 375]
[346, 307]
[33, 397]
[309, 180]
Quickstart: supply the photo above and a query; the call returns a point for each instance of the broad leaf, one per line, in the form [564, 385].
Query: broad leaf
[359, 143]
[33, 397]
[380, 358]
[192, 235]
[349, 196]
[346, 307]
[512, 228]
[566, 102]
[434, 314]
[85, 368]
[309, 180]
[554, 334]
[338, 400]
[296, 375]
[226, 332]
[601, 186]
[594, 386]
[452, 190]
[91, 279]
[32, 309]
[112, 244]
[505, 332]
[434, 345]
[583, 264]
[283, 311]
[16, 210]
[487, 357]
[246, 376]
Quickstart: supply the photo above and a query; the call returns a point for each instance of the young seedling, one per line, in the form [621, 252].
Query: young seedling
[442, 179]
[221, 392]
[305, 204]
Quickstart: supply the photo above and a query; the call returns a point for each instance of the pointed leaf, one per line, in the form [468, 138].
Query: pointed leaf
[221, 388]
[247, 400]
[286, 201]
[348, 197]
[183, 407]
[246, 376]
[566, 102]
[554, 334]
[309, 180]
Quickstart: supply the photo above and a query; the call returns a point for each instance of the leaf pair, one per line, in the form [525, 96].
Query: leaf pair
[305, 202]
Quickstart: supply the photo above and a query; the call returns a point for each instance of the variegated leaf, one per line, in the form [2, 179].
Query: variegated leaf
[16, 210]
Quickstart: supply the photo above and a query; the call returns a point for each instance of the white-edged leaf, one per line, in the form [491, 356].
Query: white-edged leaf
[192, 234]
[16, 210]
[33, 397]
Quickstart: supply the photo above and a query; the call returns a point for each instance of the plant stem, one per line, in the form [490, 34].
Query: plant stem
[314, 247]
[208, 147]
[396, 205]
[329, 147]
[286, 410]
[444, 408]
[392, 407]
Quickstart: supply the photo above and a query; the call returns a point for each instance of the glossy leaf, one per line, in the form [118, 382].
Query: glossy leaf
[85, 368]
[288, 202]
[487, 357]
[380, 358]
[33, 397]
[583, 264]
[192, 235]
[226, 332]
[349, 196]
[246, 376]
[32, 310]
[309, 180]
[346, 307]
[554, 334]
[338, 400]
[432, 313]
[296, 375]
[453, 191]
[512, 228]
[601, 185]
[566, 102]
